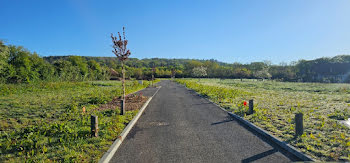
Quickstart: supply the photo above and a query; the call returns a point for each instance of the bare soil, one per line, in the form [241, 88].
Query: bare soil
[133, 102]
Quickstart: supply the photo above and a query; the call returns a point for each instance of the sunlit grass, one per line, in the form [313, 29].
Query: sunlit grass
[277, 102]
[45, 122]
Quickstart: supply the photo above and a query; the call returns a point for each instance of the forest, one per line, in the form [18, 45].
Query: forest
[18, 65]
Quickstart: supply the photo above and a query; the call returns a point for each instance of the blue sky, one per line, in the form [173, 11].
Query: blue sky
[227, 30]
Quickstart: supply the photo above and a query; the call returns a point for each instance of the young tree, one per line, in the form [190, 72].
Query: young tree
[173, 68]
[199, 72]
[153, 72]
[173, 72]
[122, 53]
[153, 69]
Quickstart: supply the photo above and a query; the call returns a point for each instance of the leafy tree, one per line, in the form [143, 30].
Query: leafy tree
[95, 70]
[212, 68]
[20, 61]
[81, 65]
[138, 74]
[199, 72]
[190, 65]
[65, 70]
[263, 74]
[242, 73]
[4, 55]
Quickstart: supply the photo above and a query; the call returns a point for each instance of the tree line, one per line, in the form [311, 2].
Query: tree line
[18, 65]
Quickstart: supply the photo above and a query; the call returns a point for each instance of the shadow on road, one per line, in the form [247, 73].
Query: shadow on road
[271, 143]
[229, 119]
[260, 155]
[202, 104]
[201, 132]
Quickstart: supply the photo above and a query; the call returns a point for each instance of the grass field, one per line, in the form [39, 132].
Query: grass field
[275, 105]
[45, 122]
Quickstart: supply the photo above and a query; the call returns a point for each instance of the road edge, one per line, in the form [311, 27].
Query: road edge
[116, 144]
[262, 132]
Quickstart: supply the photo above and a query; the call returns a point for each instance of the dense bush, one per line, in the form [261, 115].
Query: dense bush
[18, 65]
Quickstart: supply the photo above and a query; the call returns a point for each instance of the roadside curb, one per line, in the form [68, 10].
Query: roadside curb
[114, 147]
[262, 132]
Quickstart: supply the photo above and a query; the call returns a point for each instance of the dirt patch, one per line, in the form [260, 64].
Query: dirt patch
[133, 102]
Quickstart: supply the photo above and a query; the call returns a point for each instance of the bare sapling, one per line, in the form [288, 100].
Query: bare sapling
[122, 53]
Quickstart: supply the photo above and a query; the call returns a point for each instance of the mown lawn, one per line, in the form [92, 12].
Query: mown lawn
[45, 122]
[275, 105]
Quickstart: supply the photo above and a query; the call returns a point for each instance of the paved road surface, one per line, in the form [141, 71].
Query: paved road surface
[179, 126]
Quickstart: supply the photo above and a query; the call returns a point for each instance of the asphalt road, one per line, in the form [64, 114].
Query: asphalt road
[179, 126]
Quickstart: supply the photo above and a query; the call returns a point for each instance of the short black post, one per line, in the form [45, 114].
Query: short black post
[299, 128]
[251, 106]
[122, 107]
[94, 126]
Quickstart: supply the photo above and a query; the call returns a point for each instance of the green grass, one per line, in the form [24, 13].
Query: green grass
[275, 104]
[44, 121]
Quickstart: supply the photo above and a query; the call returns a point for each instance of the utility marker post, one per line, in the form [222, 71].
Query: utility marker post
[122, 107]
[251, 106]
[94, 126]
[299, 128]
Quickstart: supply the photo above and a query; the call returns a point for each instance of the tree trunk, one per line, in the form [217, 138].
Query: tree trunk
[152, 79]
[122, 109]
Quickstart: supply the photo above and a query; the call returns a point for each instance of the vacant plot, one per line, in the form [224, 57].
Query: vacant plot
[275, 104]
[46, 122]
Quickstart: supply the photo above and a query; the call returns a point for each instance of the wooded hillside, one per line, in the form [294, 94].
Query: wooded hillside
[18, 65]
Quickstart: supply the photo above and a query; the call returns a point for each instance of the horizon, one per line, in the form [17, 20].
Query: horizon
[231, 32]
[288, 63]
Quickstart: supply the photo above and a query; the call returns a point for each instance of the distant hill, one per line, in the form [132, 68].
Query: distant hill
[159, 62]
[18, 65]
[333, 69]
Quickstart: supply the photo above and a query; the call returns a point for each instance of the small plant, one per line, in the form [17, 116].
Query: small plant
[242, 109]
[340, 115]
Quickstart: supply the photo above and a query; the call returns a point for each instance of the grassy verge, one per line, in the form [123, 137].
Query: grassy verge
[275, 104]
[45, 122]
